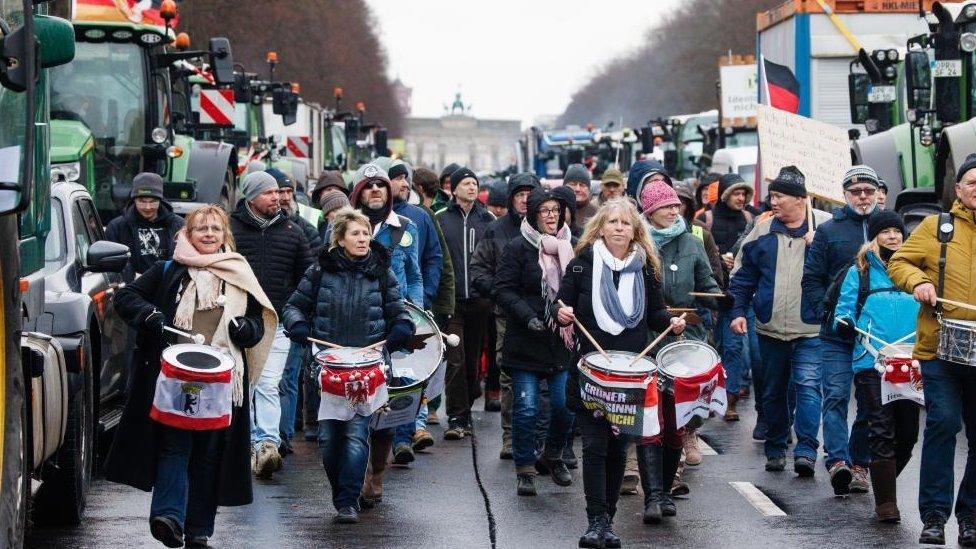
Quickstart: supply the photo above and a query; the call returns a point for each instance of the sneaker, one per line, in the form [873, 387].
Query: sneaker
[422, 440]
[967, 532]
[629, 485]
[859, 480]
[455, 429]
[680, 488]
[506, 451]
[690, 446]
[559, 473]
[668, 508]
[933, 531]
[268, 460]
[403, 455]
[197, 541]
[285, 449]
[569, 458]
[840, 478]
[347, 515]
[803, 466]
[167, 531]
[433, 418]
[776, 465]
[759, 431]
[525, 485]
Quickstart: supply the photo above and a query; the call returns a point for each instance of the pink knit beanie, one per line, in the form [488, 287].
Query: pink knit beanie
[658, 194]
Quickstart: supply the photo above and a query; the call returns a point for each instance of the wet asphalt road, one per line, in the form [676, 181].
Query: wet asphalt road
[437, 503]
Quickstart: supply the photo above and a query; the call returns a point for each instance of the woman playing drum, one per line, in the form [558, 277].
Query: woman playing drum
[888, 314]
[618, 314]
[350, 298]
[210, 290]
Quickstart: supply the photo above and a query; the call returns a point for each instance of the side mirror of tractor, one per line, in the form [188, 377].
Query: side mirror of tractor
[918, 80]
[858, 85]
[221, 61]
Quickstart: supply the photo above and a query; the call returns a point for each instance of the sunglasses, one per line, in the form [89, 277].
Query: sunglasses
[865, 191]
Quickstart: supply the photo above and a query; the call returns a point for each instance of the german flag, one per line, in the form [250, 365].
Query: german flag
[781, 87]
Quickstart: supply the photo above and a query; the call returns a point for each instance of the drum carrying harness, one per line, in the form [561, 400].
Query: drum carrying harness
[944, 231]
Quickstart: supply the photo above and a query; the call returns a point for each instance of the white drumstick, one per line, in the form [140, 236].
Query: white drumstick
[197, 338]
[452, 340]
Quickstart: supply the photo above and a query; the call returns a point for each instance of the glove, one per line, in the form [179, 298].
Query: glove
[536, 325]
[399, 335]
[298, 333]
[726, 302]
[243, 332]
[154, 322]
[845, 329]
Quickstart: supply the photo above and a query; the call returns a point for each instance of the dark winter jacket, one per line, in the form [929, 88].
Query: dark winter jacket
[444, 300]
[726, 225]
[576, 291]
[637, 172]
[428, 244]
[311, 233]
[279, 254]
[487, 255]
[133, 457]
[345, 301]
[463, 232]
[148, 241]
[834, 246]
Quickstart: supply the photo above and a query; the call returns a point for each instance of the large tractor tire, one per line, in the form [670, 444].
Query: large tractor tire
[14, 477]
[62, 497]
[228, 195]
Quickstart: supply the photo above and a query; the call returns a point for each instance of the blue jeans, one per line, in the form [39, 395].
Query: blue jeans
[950, 402]
[782, 361]
[403, 434]
[186, 478]
[266, 402]
[525, 412]
[730, 345]
[288, 389]
[345, 451]
[838, 377]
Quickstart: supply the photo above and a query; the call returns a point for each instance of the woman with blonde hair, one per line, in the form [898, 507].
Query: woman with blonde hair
[207, 289]
[870, 301]
[613, 288]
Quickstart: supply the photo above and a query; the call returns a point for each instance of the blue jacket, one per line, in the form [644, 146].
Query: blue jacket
[888, 315]
[431, 255]
[767, 275]
[638, 171]
[834, 246]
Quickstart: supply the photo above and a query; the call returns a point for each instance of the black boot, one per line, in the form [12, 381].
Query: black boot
[650, 464]
[610, 539]
[883, 473]
[672, 459]
[594, 533]
[933, 530]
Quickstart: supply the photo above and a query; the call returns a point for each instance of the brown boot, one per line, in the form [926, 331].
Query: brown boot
[885, 494]
[379, 455]
[730, 413]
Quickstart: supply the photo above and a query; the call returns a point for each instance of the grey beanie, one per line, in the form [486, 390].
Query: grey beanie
[147, 185]
[333, 201]
[255, 166]
[577, 173]
[256, 183]
[860, 174]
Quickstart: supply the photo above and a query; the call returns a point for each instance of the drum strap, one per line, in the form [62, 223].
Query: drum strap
[944, 236]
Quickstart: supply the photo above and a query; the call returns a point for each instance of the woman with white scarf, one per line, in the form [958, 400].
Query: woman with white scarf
[207, 289]
[535, 348]
[613, 288]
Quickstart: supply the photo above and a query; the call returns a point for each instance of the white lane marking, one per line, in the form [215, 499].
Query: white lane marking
[705, 449]
[757, 499]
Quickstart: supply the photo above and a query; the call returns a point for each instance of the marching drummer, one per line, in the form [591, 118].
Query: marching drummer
[871, 302]
[936, 262]
[618, 313]
[207, 289]
[350, 298]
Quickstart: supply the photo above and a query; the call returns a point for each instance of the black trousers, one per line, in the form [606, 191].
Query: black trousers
[892, 427]
[604, 460]
[470, 323]
[493, 377]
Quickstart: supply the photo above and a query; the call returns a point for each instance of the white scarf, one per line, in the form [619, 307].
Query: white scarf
[625, 289]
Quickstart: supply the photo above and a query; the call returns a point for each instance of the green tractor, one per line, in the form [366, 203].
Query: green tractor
[918, 157]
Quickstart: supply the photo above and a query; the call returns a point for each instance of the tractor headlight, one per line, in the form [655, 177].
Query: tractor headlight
[892, 55]
[159, 135]
[69, 171]
[925, 136]
[967, 41]
[890, 72]
[969, 12]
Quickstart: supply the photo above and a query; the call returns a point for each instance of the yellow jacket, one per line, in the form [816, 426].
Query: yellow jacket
[917, 262]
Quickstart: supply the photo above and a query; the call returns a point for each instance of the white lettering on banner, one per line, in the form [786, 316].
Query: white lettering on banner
[820, 150]
[738, 83]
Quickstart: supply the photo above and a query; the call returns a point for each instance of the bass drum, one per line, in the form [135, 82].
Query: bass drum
[417, 367]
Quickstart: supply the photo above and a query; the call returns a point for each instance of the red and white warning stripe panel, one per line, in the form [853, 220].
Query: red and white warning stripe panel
[298, 146]
[217, 107]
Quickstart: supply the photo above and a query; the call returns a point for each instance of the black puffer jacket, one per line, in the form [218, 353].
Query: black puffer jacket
[148, 241]
[484, 264]
[356, 301]
[311, 233]
[518, 289]
[463, 232]
[726, 225]
[278, 254]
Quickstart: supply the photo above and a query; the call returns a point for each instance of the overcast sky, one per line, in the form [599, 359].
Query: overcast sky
[514, 59]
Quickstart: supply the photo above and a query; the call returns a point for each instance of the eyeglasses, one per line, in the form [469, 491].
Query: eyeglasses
[865, 191]
[376, 185]
[546, 212]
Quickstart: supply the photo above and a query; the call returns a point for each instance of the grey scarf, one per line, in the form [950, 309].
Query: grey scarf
[609, 295]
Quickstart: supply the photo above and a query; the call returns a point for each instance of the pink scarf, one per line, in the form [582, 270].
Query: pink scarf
[555, 253]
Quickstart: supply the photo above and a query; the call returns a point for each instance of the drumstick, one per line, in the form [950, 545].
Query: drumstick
[196, 338]
[902, 340]
[957, 303]
[680, 310]
[373, 346]
[325, 343]
[704, 294]
[587, 334]
[655, 342]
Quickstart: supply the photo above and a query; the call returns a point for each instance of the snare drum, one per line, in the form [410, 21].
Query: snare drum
[957, 341]
[194, 388]
[691, 381]
[622, 390]
[621, 364]
[352, 381]
[412, 369]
